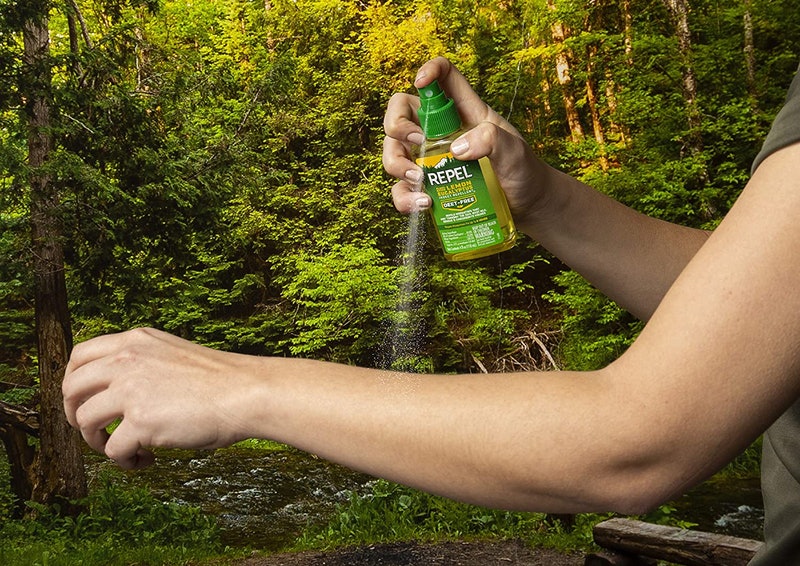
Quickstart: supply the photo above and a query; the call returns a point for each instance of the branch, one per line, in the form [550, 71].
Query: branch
[6, 386]
[84, 28]
[19, 417]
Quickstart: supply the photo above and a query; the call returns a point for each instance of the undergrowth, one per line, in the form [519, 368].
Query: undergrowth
[121, 526]
[390, 512]
[125, 525]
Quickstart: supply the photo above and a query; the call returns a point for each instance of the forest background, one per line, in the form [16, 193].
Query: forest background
[214, 168]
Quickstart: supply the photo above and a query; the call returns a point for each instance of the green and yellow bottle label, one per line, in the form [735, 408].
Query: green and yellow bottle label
[462, 206]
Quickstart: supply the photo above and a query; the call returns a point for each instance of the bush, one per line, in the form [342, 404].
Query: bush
[122, 526]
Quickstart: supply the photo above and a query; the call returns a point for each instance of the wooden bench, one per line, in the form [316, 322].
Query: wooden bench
[635, 543]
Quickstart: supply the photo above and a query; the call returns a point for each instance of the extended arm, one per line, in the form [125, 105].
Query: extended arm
[718, 361]
[716, 364]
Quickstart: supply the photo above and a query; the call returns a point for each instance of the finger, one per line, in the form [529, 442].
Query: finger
[470, 106]
[125, 447]
[409, 198]
[94, 364]
[93, 417]
[484, 140]
[93, 349]
[82, 384]
[400, 121]
[490, 140]
[397, 161]
[109, 344]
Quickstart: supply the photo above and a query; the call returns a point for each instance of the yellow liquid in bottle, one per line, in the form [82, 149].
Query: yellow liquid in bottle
[434, 151]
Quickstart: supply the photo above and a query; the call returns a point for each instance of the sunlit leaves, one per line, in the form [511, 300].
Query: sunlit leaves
[221, 161]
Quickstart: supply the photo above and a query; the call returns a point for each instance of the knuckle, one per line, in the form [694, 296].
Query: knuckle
[387, 155]
[115, 453]
[488, 133]
[127, 356]
[141, 333]
[397, 98]
[132, 391]
[69, 398]
[66, 388]
[80, 415]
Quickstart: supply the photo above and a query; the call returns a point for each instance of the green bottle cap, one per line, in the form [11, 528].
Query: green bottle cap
[438, 114]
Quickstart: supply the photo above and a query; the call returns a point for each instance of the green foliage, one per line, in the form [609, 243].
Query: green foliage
[338, 297]
[121, 526]
[596, 330]
[745, 465]
[664, 515]
[220, 171]
[16, 316]
[391, 512]
[210, 153]
[468, 316]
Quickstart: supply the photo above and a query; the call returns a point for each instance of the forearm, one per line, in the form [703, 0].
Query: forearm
[492, 440]
[630, 257]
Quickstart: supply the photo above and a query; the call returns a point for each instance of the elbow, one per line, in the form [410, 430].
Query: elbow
[624, 483]
[645, 455]
[636, 484]
[632, 492]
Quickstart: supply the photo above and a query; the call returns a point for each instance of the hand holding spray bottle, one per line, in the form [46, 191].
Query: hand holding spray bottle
[469, 210]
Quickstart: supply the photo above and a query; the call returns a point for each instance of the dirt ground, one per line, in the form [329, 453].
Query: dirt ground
[500, 553]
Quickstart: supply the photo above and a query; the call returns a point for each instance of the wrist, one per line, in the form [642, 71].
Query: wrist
[548, 197]
[247, 399]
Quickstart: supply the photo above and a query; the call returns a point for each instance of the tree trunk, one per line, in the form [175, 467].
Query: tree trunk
[142, 61]
[750, 52]
[594, 110]
[617, 131]
[673, 544]
[76, 12]
[73, 44]
[59, 467]
[21, 458]
[679, 9]
[618, 134]
[563, 65]
[627, 26]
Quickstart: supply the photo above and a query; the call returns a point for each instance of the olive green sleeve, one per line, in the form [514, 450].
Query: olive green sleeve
[786, 127]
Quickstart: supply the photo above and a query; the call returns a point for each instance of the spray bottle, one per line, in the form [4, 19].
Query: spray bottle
[469, 211]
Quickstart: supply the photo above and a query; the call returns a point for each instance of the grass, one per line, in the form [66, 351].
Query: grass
[128, 526]
[122, 526]
[391, 513]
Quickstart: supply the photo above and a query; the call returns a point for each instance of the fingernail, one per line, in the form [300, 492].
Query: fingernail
[414, 175]
[423, 203]
[459, 146]
[416, 138]
[421, 75]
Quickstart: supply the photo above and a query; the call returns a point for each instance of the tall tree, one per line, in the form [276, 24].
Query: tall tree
[626, 17]
[59, 473]
[593, 19]
[627, 27]
[564, 58]
[749, 50]
[679, 10]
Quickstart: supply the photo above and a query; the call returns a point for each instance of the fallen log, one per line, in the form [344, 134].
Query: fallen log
[673, 544]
